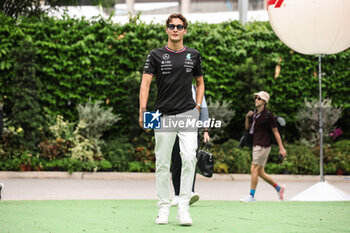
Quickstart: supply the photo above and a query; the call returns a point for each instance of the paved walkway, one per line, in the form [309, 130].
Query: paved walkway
[98, 186]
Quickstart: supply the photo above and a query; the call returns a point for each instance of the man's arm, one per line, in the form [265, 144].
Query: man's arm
[279, 141]
[247, 119]
[199, 91]
[144, 92]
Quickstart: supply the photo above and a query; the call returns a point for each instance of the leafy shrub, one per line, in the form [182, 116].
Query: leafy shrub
[9, 164]
[95, 119]
[70, 165]
[11, 141]
[55, 149]
[138, 166]
[230, 159]
[143, 155]
[62, 144]
[222, 112]
[84, 149]
[278, 168]
[62, 129]
[25, 87]
[82, 144]
[308, 120]
[302, 159]
[337, 158]
[22, 161]
[119, 153]
[276, 164]
[104, 165]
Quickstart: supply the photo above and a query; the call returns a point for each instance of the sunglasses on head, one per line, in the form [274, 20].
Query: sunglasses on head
[179, 27]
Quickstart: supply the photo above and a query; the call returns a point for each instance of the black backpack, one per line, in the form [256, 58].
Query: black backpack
[280, 124]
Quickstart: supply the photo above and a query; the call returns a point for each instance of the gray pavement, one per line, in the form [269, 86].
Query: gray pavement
[107, 186]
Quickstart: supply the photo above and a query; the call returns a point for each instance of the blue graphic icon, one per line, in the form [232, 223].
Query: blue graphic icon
[151, 120]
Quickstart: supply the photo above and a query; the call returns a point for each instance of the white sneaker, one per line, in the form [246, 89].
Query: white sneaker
[1, 187]
[194, 198]
[163, 215]
[248, 199]
[175, 201]
[184, 216]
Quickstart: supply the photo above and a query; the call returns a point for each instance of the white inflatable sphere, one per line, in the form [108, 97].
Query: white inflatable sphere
[311, 26]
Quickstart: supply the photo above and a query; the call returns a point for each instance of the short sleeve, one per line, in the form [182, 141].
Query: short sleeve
[150, 65]
[197, 72]
[272, 121]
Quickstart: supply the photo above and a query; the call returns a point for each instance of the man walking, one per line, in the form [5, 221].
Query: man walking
[259, 123]
[174, 66]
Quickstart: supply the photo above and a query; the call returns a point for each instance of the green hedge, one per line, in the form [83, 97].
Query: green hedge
[73, 60]
[300, 159]
[337, 158]
[79, 59]
[121, 156]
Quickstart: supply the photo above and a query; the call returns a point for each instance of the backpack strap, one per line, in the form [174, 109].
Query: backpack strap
[266, 120]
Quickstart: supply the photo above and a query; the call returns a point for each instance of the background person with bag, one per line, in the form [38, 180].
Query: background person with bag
[176, 162]
[259, 123]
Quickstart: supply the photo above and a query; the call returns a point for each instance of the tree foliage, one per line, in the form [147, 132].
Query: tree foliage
[29, 8]
[77, 59]
[25, 88]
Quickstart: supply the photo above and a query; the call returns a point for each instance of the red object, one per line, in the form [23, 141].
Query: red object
[23, 167]
[279, 3]
[273, 2]
[340, 172]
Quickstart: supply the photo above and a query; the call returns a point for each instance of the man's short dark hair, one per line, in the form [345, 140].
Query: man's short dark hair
[178, 16]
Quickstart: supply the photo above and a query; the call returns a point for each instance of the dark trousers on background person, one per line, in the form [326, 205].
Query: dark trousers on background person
[176, 166]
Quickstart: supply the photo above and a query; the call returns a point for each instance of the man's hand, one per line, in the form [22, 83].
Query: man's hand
[141, 119]
[249, 114]
[283, 152]
[206, 137]
[144, 92]
[199, 108]
[141, 123]
[247, 119]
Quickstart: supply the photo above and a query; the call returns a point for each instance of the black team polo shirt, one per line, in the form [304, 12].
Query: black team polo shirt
[174, 71]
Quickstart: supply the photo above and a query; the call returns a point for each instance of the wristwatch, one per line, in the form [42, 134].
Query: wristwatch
[199, 105]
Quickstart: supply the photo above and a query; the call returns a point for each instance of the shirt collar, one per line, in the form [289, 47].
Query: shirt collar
[174, 51]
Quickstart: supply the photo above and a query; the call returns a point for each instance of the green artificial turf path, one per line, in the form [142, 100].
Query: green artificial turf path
[122, 216]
